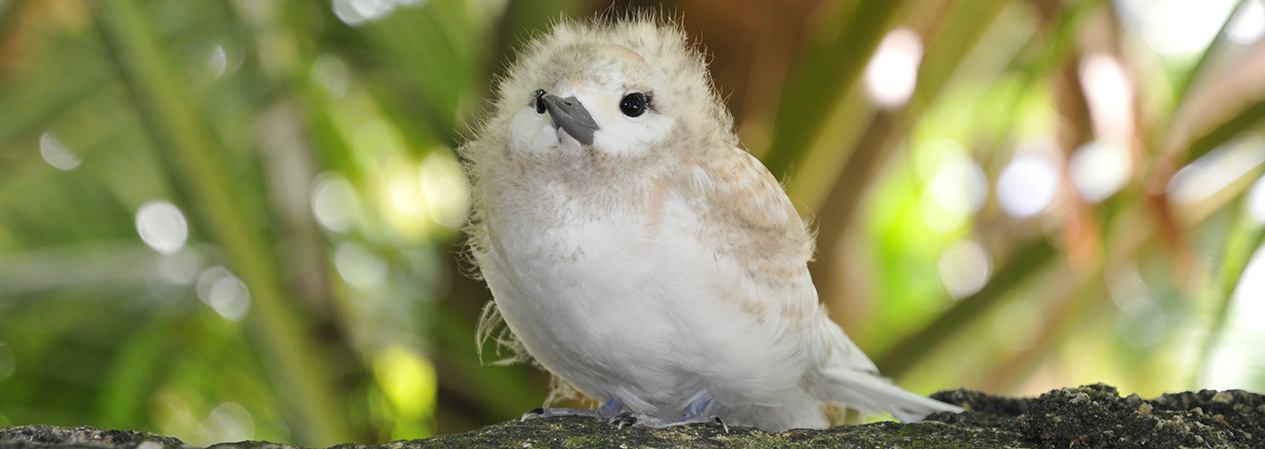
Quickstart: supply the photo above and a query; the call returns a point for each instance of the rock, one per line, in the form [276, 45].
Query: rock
[1096, 416]
[41, 437]
[1088, 416]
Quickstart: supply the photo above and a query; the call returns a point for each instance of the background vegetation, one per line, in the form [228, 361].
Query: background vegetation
[238, 219]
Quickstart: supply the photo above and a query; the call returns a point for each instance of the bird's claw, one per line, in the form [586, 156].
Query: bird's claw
[533, 413]
[649, 422]
[624, 419]
[610, 412]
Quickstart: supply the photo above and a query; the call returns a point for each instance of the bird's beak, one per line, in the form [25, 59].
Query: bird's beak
[570, 115]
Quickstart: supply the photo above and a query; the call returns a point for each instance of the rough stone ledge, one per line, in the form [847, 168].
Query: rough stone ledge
[1090, 416]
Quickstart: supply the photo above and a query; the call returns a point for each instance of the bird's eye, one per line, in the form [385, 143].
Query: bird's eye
[540, 101]
[634, 104]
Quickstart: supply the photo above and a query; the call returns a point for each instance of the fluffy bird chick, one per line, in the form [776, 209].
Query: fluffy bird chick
[639, 255]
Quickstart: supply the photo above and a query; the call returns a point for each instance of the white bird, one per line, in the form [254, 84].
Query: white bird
[639, 255]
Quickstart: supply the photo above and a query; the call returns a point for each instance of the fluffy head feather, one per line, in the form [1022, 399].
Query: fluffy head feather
[663, 63]
[676, 71]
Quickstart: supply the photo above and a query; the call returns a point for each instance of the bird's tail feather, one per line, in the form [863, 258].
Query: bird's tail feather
[870, 393]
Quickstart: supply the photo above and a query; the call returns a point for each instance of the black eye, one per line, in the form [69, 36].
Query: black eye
[634, 104]
[540, 101]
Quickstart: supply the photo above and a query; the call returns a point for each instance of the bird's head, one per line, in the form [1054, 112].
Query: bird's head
[621, 90]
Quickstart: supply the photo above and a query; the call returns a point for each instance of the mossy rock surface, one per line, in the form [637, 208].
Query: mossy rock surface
[1091, 416]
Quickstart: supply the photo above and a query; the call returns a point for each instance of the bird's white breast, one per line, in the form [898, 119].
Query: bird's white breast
[626, 302]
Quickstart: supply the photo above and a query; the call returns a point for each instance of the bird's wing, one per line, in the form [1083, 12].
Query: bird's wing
[756, 225]
[753, 222]
[765, 232]
[760, 219]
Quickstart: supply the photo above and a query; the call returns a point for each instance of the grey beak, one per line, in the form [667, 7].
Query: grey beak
[570, 115]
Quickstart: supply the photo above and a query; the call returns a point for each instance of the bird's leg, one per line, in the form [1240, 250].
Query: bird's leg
[609, 410]
[695, 413]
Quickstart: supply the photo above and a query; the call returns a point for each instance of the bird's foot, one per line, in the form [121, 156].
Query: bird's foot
[642, 421]
[695, 413]
[610, 410]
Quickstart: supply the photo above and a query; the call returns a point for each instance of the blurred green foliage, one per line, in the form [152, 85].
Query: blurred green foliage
[239, 220]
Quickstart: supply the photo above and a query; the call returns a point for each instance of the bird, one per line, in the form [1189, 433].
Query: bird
[635, 251]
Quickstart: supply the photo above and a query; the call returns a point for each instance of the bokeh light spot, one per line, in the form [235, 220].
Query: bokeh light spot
[230, 422]
[892, 74]
[357, 12]
[956, 191]
[162, 226]
[444, 186]
[1256, 201]
[1208, 175]
[1109, 95]
[358, 266]
[408, 380]
[225, 293]
[56, 154]
[1178, 28]
[1099, 170]
[216, 63]
[1027, 185]
[1237, 362]
[1249, 295]
[398, 192]
[406, 194]
[1247, 26]
[1230, 366]
[334, 202]
[964, 268]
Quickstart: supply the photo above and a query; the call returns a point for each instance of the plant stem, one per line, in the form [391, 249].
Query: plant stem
[196, 159]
